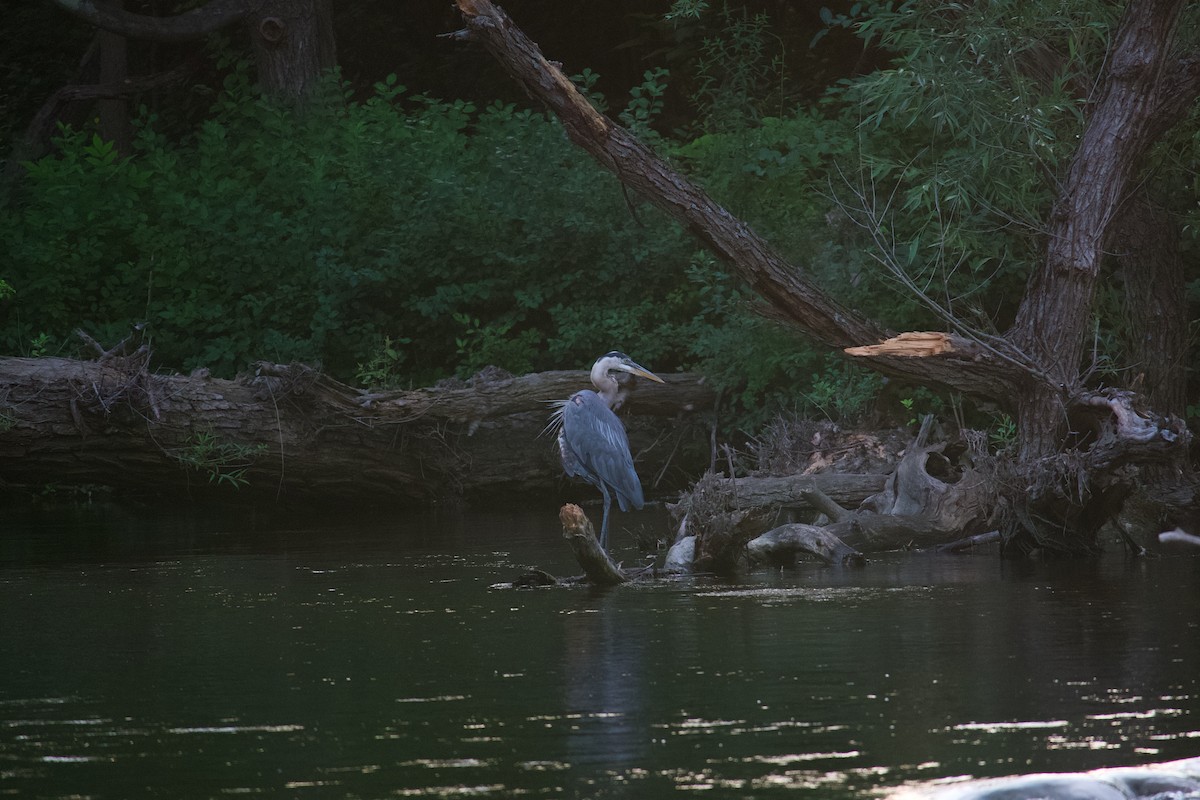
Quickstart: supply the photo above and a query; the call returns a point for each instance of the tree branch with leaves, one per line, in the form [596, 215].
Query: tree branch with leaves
[1035, 368]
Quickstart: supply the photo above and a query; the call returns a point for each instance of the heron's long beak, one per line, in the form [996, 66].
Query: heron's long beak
[638, 369]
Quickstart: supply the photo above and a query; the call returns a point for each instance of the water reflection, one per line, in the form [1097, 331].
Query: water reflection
[371, 659]
[604, 667]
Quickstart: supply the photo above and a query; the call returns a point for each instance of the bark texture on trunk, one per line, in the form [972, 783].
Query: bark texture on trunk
[1145, 246]
[293, 45]
[114, 70]
[293, 39]
[1052, 320]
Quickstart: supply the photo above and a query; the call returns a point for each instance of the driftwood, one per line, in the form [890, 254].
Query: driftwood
[784, 542]
[934, 497]
[937, 494]
[680, 556]
[288, 432]
[579, 533]
[720, 515]
[1179, 536]
[930, 500]
[978, 540]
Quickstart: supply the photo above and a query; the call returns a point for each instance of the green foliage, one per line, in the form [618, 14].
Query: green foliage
[401, 238]
[316, 235]
[481, 345]
[962, 141]
[224, 462]
[686, 9]
[384, 368]
[1002, 435]
[645, 104]
[842, 392]
[919, 403]
[39, 346]
[739, 71]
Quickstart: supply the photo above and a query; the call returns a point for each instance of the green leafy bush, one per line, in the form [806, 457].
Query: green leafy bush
[401, 239]
[316, 235]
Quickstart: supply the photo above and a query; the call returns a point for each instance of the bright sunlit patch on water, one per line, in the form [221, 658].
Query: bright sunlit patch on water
[240, 729]
[1001, 727]
[574, 716]
[453, 791]
[543, 766]
[445, 763]
[696, 725]
[707, 779]
[1166, 737]
[1081, 743]
[33, 723]
[795, 758]
[1125, 715]
[37, 701]
[69, 759]
[442, 698]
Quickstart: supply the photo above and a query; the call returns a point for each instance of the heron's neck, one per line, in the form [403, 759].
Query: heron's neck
[606, 385]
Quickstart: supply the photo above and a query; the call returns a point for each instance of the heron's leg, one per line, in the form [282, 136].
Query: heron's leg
[604, 522]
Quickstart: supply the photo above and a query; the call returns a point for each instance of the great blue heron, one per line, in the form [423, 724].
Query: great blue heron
[592, 441]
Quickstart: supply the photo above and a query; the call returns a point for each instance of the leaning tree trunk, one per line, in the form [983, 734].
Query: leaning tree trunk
[1035, 368]
[1064, 487]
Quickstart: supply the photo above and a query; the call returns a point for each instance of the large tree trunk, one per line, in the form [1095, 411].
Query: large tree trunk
[293, 45]
[1064, 489]
[290, 434]
[293, 39]
[1145, 245]
[114, 70]
[1035, 368]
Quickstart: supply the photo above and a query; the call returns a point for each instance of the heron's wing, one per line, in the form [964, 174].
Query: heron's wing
[596, 439]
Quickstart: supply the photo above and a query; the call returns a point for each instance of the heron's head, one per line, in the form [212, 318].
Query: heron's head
[614, 361]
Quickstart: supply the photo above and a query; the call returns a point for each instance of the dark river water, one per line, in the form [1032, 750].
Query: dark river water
[369, 658]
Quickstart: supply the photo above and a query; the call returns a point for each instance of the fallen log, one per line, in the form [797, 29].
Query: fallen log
[291, 434]
[761, 500]
[978, 540]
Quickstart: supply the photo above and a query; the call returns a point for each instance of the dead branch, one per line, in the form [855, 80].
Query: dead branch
[596, 564]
